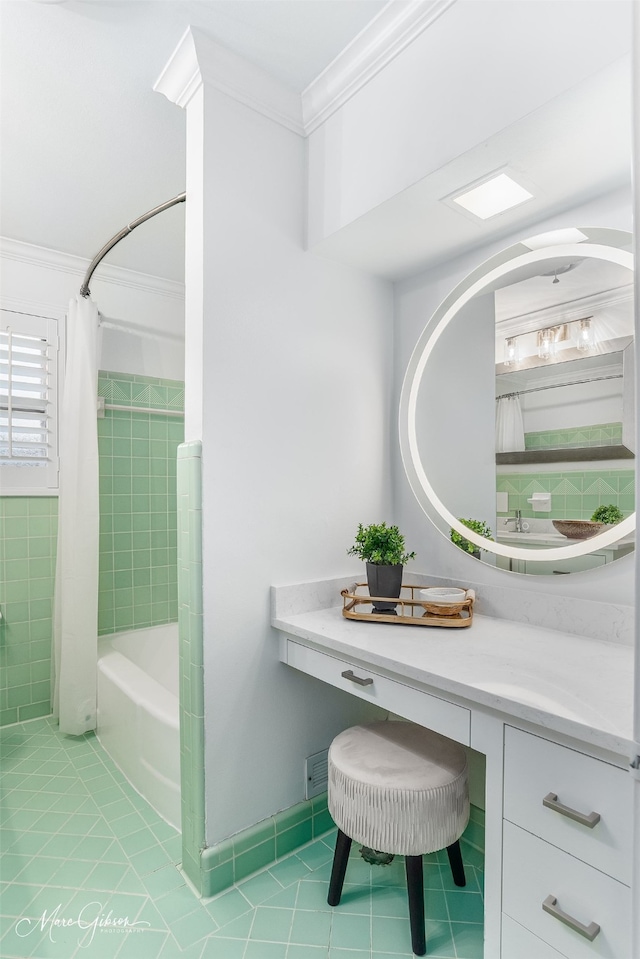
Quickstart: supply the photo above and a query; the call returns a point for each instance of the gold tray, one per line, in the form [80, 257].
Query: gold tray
[412, 612]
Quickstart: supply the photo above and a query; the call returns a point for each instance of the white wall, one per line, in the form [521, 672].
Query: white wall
[149, 311]
[568, 407]
[443, 95]
[296, 399]
[416, 300]
[455, 412]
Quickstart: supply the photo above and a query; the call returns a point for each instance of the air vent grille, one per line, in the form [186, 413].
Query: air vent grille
[316, 772]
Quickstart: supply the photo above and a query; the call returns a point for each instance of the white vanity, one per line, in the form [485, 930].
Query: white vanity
[551, 712]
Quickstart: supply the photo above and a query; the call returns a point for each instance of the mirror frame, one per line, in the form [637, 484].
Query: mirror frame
[604, 244]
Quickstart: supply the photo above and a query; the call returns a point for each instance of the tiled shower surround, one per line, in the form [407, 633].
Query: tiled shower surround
[138, 527]
[602, 434]
[28, 527]
[138, 579]
[575, 494]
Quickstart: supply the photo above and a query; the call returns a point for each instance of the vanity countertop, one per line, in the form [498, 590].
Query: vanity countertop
[538, 539]
[572, 685]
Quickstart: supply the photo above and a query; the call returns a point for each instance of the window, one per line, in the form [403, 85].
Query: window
[28, 404]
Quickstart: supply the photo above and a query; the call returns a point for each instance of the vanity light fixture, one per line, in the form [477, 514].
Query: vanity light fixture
[546, 343]
[492, 196]
[586, 336]
[511, 351]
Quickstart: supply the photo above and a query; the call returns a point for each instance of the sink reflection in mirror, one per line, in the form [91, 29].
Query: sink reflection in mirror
[566, 445]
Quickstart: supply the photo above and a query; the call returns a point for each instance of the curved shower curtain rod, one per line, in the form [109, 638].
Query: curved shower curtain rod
[84, 289]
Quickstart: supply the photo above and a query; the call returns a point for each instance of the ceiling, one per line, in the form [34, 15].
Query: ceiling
[573, 148]
[88, 146]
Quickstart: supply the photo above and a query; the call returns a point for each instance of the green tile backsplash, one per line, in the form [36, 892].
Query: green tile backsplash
[138, 531]
[28, 527]
[138, 536]
[602, 434]
[575, 494]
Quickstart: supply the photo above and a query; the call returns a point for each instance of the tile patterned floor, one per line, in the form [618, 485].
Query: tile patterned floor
[80, 846]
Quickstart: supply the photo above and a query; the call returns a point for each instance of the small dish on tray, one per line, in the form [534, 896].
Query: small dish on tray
[443, 600]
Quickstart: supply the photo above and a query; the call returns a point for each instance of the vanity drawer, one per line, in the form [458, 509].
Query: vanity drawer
[535, 768]
[438, 714]
[519, 943]
[534, 870]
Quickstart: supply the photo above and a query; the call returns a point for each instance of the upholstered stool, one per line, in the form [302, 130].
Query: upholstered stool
[398, 788]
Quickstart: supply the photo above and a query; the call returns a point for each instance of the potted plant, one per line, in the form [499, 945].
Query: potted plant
[383, 550]
[610, 515]
[478, 526]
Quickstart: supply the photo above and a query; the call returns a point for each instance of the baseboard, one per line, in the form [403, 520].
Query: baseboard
[260, 846]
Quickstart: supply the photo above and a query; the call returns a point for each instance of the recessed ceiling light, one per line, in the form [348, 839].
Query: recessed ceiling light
[554, 238]
[493, 196]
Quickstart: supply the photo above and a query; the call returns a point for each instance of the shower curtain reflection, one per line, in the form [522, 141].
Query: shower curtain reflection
[509, 424]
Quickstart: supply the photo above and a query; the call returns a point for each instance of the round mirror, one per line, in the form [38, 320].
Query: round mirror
[517, 409]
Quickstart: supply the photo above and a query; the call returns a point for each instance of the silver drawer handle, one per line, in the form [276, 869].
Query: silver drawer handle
[349, 674]
[589, 932]
[551, 802]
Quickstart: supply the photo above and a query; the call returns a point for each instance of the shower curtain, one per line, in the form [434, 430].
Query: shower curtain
[509, 425]
[75, 626]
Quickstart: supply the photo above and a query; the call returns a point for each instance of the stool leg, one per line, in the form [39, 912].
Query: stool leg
[455, 861]
[340, 859]
[415, 889]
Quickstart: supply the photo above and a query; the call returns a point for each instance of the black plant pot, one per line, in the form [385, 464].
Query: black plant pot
[384, 581]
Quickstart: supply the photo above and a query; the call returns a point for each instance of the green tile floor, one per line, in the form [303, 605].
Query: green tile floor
[81, 847]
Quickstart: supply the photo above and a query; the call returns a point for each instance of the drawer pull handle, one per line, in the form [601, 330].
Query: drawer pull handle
[349, 674]
[590, 932]
[551, 802]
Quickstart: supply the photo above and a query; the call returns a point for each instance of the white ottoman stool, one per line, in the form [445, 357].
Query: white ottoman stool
[402, 789]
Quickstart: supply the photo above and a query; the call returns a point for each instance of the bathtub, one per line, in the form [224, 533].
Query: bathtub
[138, 712]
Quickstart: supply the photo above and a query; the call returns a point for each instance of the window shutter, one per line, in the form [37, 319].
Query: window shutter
[28, 403]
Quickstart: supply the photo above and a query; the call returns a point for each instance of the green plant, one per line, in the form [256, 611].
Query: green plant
[381, 545]
[607, 514]
[478, 526]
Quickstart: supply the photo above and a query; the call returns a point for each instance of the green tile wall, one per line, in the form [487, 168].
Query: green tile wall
[263, 844]
[575, 494]
[28, 527]
[138, 536]
[138, 525]
[190, 628]
[602, 434]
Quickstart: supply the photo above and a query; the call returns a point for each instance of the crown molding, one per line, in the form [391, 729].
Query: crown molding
[564, 313]
[396, 26]
[44, 258]
[181, 77]
[199, 60]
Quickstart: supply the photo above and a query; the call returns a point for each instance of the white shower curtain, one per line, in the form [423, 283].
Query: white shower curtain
[75, 628]
[509, 425]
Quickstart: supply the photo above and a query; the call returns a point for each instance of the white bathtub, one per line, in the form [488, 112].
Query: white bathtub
[138, 712]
